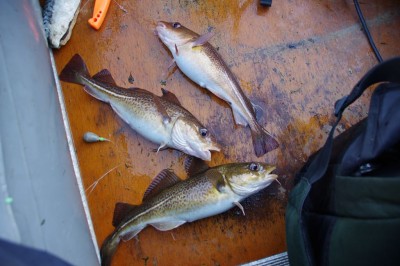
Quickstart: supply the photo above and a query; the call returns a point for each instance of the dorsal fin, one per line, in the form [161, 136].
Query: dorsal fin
[194, 166]
[216, 178]
[105, 77]
[121, 210]
[203, 39]
[162, 181]
[169, 96]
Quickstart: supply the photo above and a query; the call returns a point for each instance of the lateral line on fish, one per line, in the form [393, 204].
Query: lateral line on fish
[106, 91]
[147, 211]
[239, 95]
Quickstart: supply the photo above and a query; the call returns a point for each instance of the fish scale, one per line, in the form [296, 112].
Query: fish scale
[161, 120]
[204, 194]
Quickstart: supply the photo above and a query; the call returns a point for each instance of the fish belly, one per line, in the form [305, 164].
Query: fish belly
[151, 128]
[206, 211]
[199, 72]
[216, 81]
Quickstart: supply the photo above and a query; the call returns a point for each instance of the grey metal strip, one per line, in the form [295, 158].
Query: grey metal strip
[74, 157]
[280, 259]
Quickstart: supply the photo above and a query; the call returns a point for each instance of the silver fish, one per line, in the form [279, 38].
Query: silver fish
[200, 61]
[161, 120]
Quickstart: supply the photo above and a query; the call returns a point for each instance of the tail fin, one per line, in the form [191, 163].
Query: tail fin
[74, 70]
[108, 249]
[263, 142]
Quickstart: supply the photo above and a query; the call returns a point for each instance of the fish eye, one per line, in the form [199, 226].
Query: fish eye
[203, 132]
[176, 25]
[254, 167]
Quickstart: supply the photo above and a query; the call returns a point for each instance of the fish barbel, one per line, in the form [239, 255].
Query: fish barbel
[200, 61]
[161, 120]
[169, 202]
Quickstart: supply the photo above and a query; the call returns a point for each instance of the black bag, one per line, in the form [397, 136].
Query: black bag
[345, 206]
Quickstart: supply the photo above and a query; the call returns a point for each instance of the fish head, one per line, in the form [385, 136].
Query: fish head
[245, 179]
[189, 136]
[174, 34]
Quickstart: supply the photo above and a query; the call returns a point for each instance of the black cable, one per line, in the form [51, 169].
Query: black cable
[365, 27]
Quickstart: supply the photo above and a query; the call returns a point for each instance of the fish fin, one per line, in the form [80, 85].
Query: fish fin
[165, 226]
[161, 109]
[121, 210]
[161, 148]
[194, 166]
[263, 142]
[105, 76]
[74, 70]
[258, 111]
[163, 180]
[203, 39]
[240, 207]
[169, 96]
[95, 94]
[172, 63]
[166, 73]
[239, 119]
[176, 50]
[217, 179]
[131, 234]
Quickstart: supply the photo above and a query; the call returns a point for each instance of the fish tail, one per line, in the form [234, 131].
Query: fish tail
[74, 70]
[263, 142]
[108, 248]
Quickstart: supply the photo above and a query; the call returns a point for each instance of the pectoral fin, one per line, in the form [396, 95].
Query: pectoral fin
[217, 179]
[161, 109]
[203, 39]
[167, 225]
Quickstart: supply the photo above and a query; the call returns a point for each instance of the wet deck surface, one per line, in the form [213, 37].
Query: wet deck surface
[294, 60]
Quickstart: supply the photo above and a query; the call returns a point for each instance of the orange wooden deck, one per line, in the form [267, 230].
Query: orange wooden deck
[294, 59]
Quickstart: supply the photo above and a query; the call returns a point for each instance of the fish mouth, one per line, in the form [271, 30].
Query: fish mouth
[160, 26]
[270, 169]
[214, 147]
[205, 154]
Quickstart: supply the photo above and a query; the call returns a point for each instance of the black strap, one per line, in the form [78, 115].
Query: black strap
[388, 71]
[366, 31]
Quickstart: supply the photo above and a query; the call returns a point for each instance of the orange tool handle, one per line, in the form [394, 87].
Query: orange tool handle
[99, 13]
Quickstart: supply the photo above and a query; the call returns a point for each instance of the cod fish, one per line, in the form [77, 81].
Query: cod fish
[199, 60]
[169, 202]
[161, 120]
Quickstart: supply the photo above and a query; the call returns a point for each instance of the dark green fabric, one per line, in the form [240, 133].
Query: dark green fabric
[367, 197]
[293, 227]
[334, 219]
[365, 242]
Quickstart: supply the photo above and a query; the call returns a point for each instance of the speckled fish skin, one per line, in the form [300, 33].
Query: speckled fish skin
[209, 193]
[140, 109]
[203, 64]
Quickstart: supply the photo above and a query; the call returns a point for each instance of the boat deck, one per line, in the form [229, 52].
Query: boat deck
[294, 60]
